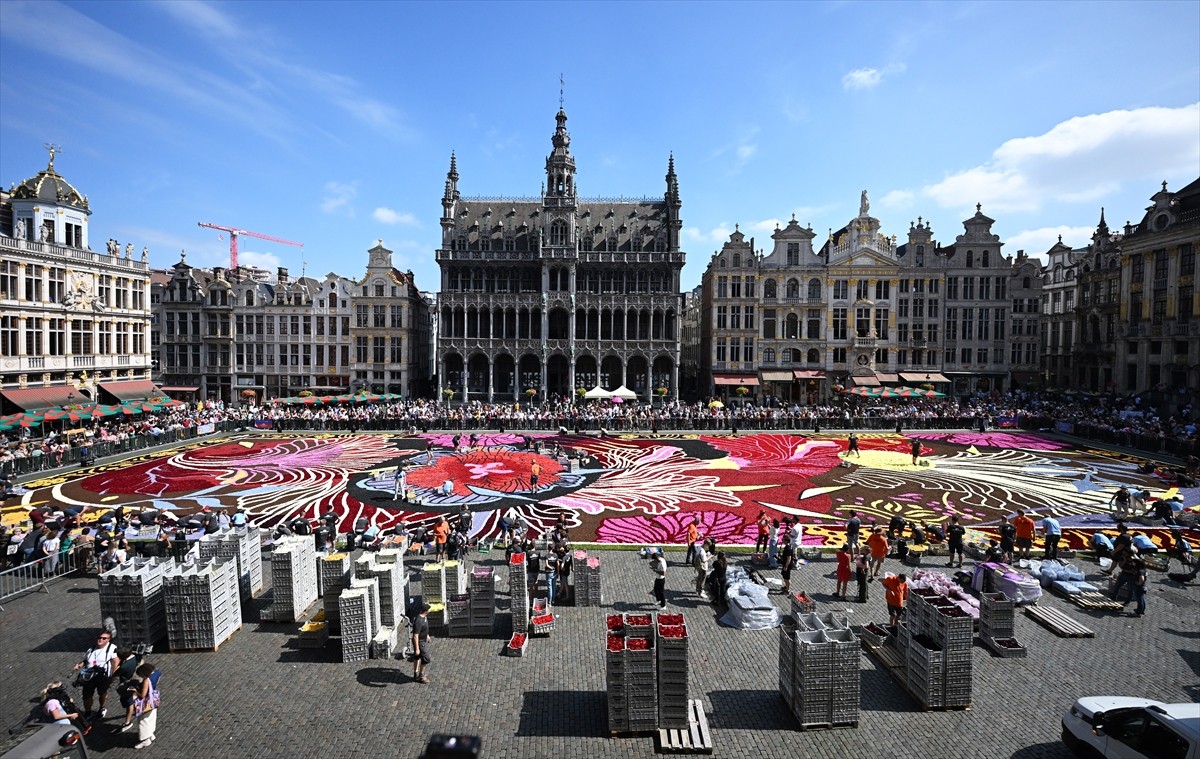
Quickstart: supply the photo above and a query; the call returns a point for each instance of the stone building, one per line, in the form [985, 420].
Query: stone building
[74, 323]
[391, 329]
[558, 292]
[797, 323]
[1058, 328]
[1157, 350]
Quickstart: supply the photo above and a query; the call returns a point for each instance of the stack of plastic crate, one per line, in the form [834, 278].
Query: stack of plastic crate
[458, 616]
[482, 606]
[385, 642]
[433, 591]
[456, 577]
[393, 585]
[371, 585]
[293, 580]
[802, 604]
[813, 684]
[847, 678]
[131, 594]
[641, 677]
[245, 546]
[811, 621]
[518, 588]
[925, 671]
[953, 629]
[354, 611]
[997, 623]
[588, 590]
[614, 675]
[202, 604]
[672, 645]
[787, 659]
[335, 577]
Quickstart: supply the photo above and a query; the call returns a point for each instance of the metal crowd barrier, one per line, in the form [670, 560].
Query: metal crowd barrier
[35, 575]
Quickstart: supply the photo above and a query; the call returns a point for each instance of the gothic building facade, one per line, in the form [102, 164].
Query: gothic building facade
[541, 297]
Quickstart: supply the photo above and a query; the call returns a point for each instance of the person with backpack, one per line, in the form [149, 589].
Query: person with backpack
[96, 672]
[146, 704]
[126, 685]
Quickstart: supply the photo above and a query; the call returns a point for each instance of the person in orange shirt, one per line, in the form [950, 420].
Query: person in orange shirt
[535, 472]
[441, 531]
[1024, 527]
[896, 589]
[877, 542]
[764, 531]
[693, 536]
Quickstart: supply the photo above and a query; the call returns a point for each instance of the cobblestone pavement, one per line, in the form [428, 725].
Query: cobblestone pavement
[260, 695]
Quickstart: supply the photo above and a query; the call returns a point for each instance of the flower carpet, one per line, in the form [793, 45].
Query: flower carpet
[624, 489]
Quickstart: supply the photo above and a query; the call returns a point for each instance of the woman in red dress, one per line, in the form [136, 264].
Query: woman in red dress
[843, 571]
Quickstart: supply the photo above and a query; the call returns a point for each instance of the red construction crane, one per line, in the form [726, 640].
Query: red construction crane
[233, 240]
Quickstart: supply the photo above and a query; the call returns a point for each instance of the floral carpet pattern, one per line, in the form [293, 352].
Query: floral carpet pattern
[627, 489]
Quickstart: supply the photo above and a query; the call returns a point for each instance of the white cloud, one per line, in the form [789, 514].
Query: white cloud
[389, 216]
[1038, 241]
[746, 152]
[869, 78]
[718, 235]
[266, 261]
[1079, 160]
[338, 196]
[898, 199]
[743, 148]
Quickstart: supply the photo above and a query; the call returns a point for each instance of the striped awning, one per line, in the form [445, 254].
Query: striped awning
[132, 390]
[923, 377]
[35, 398]
[865, 381]
[776, 376]
[808, 374]
[735, 379]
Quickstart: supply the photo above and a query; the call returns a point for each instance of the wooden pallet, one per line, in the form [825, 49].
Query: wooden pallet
[212, 650]
[888, 656]
[696, 739]
[1093, 601]
[1058, 622]
[806, 726]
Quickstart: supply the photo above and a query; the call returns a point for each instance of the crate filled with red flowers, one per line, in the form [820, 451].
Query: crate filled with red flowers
[516, 644]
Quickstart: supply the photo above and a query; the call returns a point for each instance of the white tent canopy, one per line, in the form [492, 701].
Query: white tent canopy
[624, 392]
[597, 392]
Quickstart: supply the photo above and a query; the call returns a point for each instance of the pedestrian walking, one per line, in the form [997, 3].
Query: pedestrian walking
[853, 528]
[700, 560]
[96, 671]
[861, 572]
[146, 704]
[535, 473]
[916, 452]
[896, 594]
[787, 562]
[852, 445]
[658, 565]
[420, 656]
[877, 544]
[1023, 528]
[773, 545]
[400, 488]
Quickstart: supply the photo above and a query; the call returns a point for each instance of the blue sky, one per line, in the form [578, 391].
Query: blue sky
[332, 123]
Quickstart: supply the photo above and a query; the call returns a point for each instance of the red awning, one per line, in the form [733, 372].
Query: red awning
[735, 379]
[865, 381]
[808, 374]
[132, 390]
[34, 398]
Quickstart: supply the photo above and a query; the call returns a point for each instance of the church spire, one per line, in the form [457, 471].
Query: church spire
[452, 180]
[672, 183]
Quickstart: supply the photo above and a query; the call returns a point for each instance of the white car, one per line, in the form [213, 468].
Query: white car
[1124, 727]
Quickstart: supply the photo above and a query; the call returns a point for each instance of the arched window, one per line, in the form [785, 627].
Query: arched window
[986, 258]
[970, 258]
[793, 288]
[814, 289]
[249, 297]
[797, 356]
[1026, 283]
[768, 355]
[814, 356]
[722, 264]
[769, 291]
[558, 232]
[737, 260]
[792, 331]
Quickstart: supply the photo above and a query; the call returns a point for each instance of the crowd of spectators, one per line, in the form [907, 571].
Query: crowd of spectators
[1109, 419]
